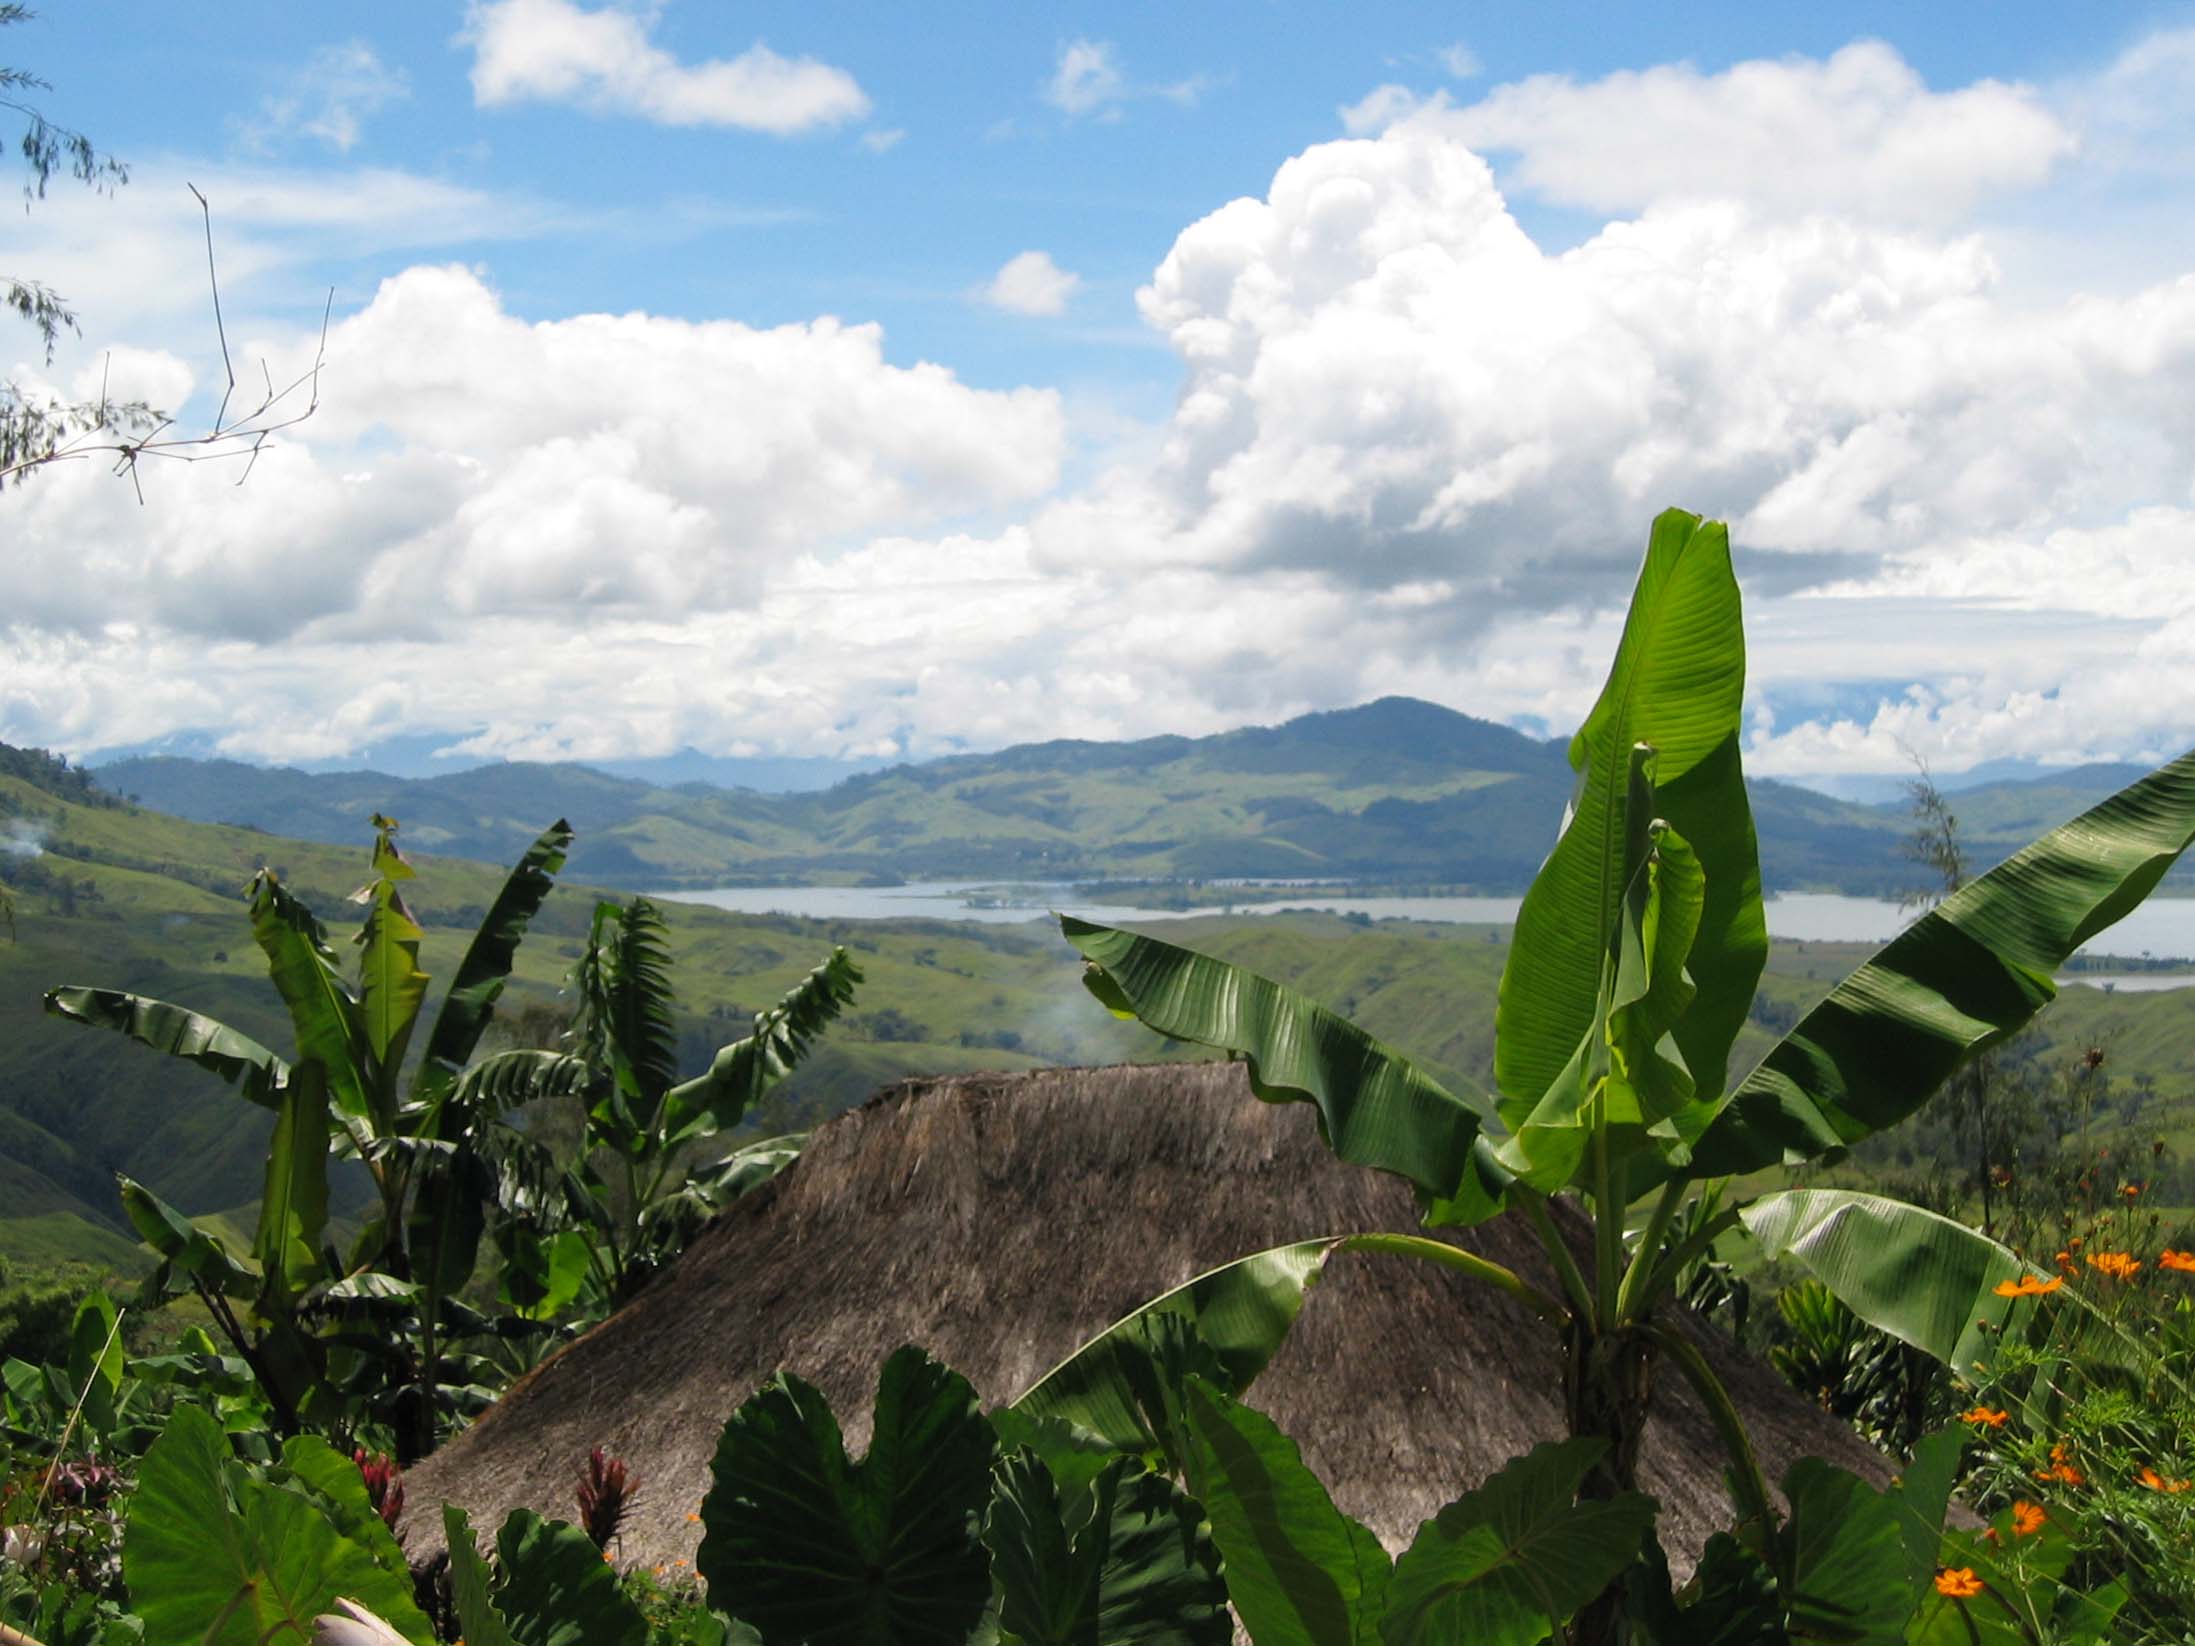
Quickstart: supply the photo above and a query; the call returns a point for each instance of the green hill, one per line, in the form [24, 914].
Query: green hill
[1394, 791]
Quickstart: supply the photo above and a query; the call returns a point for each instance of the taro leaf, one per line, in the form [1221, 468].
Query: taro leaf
[1962, 977]
[1504, 1565]
[1076, 1456]
[1917, 1275]
[471, 1593]
[556, 1588]
[339, 1489]
[214, 1557]
[1845, 1550]
[1299, 1571]
[1239, 1312]
[487, 963]
[1921, 1499]
[1731, 1601]
[1375, 1107]
[1122, 1561]
[180, 1032]
[808, 1547]
[1677, 684]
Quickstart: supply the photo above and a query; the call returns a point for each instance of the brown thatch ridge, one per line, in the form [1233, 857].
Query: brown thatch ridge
[1001, 1220]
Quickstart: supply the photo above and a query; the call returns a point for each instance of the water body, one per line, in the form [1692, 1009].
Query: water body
[2162, 927]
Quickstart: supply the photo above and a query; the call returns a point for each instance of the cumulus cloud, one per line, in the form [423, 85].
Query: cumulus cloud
[330, 98]
[553, 51]
[1412, 450]
[1031, 283]
[1858, 132]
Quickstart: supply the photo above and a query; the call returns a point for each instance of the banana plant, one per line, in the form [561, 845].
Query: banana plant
[425, 1130]
[1634, 960]
[642, 1185]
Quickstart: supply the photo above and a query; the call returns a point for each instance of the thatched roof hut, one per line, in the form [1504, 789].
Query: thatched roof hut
[1001, 1220]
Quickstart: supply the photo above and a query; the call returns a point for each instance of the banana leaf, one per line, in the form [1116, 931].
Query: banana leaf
[391, 985]
[293, 1204]
[746, 1069]
[180, 1032]
[1376, 1108]
[1676, 686]
[323, 1012]
[1922, 1278]
[480, 975]
[1961, 978]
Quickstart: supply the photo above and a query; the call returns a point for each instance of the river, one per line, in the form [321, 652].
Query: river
[2164, 926]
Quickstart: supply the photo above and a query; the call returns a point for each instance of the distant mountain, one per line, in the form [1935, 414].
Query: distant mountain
[1397, 790]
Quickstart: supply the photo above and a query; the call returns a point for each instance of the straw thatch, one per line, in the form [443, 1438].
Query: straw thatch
[1001, 1220]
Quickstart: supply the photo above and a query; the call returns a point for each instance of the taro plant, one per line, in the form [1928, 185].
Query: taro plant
[1633, 963]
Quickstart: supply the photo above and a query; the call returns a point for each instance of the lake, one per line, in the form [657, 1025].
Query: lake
[2164, 926]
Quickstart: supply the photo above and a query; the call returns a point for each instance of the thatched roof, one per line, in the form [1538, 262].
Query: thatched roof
[1001, 1220]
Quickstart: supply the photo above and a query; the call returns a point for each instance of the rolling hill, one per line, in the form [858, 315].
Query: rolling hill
[1397, 791]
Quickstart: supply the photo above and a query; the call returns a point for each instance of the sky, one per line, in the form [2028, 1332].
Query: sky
[862, 382]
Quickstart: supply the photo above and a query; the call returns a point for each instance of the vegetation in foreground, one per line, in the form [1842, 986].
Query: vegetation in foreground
[1132, 1494]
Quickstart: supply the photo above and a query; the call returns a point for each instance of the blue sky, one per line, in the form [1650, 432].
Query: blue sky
[951, 401]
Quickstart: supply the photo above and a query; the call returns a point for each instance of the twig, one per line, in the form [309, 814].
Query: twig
[68, 1429]
[221, 330]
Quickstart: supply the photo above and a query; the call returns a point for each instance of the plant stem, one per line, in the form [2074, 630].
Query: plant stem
[1746, 1479]
[1634, 1297]
[1558, 1252]
[1696, 1243]
[1607, 1230]
[1455, 1257]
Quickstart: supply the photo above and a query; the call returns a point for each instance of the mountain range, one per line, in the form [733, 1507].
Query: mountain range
[1396, 791]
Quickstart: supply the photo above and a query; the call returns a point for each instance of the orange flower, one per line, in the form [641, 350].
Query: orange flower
[1983, 1418]
[2029, 1286]
[1958, 1583]
[2157, 1483]
[2062, 1467]
[2027, 1518]
[693, 1518]
[2065, 1260]
[2182, 1261]
[2118, 1265]
[2130, 1190]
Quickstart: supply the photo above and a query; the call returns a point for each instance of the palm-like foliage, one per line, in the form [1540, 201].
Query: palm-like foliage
[642, 1184]
[425, 1130]
[1633, 963]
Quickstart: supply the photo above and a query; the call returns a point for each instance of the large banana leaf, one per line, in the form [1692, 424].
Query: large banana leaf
[293, 1204]
[323, 1012]
[743, 1071]
[1962, 977]
[1677, 685]
[480, 975]
[1375, 1107]
[1240, 1312]
[180, 1032]
[391, 986]
[1918, 1276]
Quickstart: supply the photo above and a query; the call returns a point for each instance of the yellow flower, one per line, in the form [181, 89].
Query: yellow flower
[2118, 1265]
[1958, 1583]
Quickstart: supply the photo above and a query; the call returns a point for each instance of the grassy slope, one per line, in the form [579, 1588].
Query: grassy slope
[165, 918]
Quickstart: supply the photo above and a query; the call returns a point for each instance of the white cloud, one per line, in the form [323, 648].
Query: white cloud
[1379, 108]
[1858, 132]
[1458, 61]
[1031, 283]
[1086, 78]
[883, 142]
[553, 51]
[330, 98]
[1411, 451]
